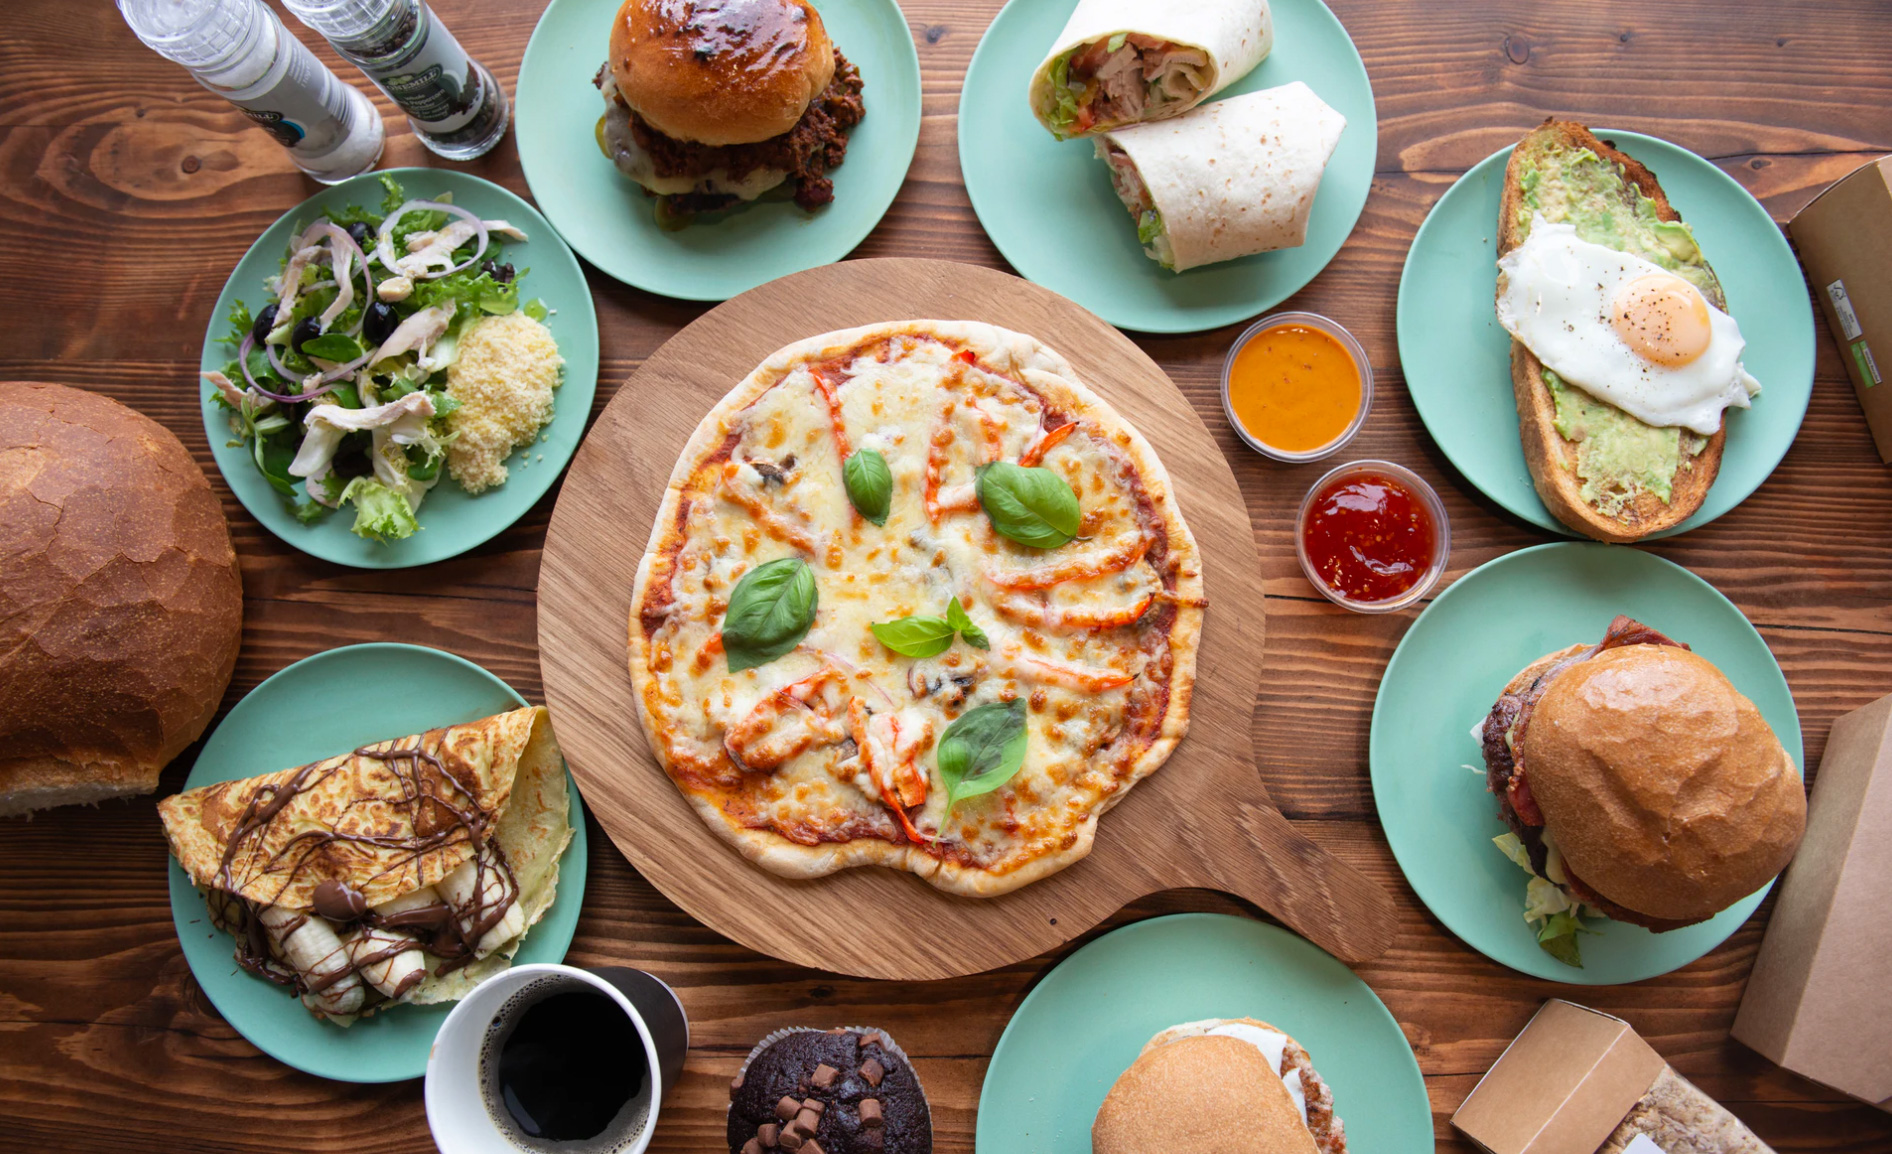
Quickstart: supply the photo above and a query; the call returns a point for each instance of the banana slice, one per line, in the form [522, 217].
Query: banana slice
[487, 875]
[387, 959]
[309, 945]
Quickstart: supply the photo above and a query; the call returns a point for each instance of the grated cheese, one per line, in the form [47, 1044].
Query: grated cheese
[508, 366]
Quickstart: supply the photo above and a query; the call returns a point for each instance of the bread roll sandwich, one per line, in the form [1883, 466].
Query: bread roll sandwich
[1122, 62]
[1624, 359]
[1219, 1086]
[1638, 784]
[121, 607]
[709, 103]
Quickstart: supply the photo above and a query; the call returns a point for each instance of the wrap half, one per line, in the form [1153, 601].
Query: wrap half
[1121, 62]
[404, 871]
[1229, 180]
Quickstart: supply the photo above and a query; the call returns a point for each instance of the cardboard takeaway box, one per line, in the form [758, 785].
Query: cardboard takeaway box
[1845, 242]
[1577, 1081]
[1819, 1001]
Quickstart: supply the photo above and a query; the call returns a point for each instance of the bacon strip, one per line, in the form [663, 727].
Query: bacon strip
[764, 516]
[1113, 560]
[1036, 452]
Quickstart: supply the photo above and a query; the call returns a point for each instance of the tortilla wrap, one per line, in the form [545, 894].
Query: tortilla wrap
[1231, 36]
[1231, 179]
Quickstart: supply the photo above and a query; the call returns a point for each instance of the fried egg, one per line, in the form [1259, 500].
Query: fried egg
[1623, 329]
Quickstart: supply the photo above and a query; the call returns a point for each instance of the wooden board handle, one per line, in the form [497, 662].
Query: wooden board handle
[1319, 896]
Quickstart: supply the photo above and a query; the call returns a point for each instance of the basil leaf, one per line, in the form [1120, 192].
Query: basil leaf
[915, 636]
[338, 347]
[1032, 506]
[968, 632]
[869, 484]
[769, 613]
[982, 750]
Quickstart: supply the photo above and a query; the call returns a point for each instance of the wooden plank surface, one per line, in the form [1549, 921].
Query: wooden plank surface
[127, 193]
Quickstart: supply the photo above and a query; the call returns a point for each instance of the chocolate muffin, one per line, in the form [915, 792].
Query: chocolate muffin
[842, 1091]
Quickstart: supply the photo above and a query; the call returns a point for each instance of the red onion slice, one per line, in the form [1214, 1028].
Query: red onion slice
[384, 242]
[243, 363]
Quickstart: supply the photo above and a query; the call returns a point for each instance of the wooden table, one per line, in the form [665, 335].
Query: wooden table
[127, 193]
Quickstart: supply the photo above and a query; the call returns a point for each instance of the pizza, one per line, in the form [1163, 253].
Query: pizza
[916, 597]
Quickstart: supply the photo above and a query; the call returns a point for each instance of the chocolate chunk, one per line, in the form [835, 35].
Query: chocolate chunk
[787, 1108]
[873, 1071]
[815, 1104]
[809, 1120]
[871, 1116]
[752, 1147]
[769, 1134]
[824, 1076]
[792, 1138]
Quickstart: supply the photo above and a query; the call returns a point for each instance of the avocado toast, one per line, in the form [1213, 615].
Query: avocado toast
[1598, 469]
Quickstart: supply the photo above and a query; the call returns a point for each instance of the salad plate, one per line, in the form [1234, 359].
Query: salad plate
[1049, 207]
[449, 520]
[612, 224]
[1429, 775]
[1457, 358]
[1084, 1024]
[308, 711]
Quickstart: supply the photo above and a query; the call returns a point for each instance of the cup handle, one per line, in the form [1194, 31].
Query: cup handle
[663, 1016]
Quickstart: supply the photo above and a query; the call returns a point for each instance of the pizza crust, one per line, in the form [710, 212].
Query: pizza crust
[1052, 376]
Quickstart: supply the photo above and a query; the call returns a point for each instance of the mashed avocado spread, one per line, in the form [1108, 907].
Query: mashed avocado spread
[1618, 457]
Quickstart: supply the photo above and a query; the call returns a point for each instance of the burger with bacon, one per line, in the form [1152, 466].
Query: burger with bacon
[709, 103]
[1638, 785]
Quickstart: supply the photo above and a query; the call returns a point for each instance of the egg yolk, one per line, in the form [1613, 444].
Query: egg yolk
[1662, 318]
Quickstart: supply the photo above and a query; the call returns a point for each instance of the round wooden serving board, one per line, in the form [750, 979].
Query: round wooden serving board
[1204, 819]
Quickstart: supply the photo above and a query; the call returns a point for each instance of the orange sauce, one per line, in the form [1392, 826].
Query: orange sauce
[1294, 388]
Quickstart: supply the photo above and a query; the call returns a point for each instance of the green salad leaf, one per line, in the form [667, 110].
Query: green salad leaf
[1116, 42]
[770, 611]
[1064, 112]
[535, 308]
[1031, 505]
[381, 514]
[982, 750]
[1149, 226]
[1558, 937]
[869, 484]
[471, 286]
[338, 347]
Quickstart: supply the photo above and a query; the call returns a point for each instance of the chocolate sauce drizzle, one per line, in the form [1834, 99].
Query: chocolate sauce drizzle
[448, 932]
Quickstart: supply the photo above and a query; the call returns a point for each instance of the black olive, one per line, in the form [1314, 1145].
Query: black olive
[265, 321]
[358, 232]
[500, 272]
[305, 331]
[379, 322]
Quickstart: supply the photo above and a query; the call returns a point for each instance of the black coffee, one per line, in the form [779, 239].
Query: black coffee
[569, 1064]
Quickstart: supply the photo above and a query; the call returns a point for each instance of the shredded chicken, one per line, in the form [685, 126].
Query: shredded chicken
[1144, 79]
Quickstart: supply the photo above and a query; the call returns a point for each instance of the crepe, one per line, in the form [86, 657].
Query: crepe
[1228, 180]
[379, 829]
[1213, 43]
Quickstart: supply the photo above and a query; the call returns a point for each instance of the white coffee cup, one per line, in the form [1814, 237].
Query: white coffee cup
[457, 1111]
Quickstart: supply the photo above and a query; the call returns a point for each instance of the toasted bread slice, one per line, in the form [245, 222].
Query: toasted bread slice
[1551, 458]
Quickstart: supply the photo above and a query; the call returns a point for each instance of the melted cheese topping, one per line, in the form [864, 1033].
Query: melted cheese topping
[1081, 632]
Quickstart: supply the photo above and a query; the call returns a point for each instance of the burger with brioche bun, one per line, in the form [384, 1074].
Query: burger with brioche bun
[1638, 785]
[709, 103]
[1220, 1086]
[121, 608]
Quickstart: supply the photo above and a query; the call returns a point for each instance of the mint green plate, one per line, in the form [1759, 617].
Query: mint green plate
[1429, 775]
[333, 701]
[610, 221]
[1457, 359]
[1048, 205]
[1086, 1021]
[451, 522]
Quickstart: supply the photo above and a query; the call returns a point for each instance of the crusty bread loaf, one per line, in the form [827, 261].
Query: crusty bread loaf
[121, 607]
[1553, 460]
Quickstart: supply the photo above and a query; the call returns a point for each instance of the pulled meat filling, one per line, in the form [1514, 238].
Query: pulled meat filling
[1142, 75]
[806, 152]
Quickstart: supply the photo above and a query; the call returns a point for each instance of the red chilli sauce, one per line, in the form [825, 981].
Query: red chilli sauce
[1369, 537]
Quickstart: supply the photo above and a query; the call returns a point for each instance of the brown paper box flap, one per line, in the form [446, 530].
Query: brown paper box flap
[1844, 239]
[1819, 1001]
[1561, 1086]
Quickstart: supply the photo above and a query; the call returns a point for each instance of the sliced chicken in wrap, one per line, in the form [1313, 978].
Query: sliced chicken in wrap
[406, 871]
[1121, 62]
[1229, 180]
